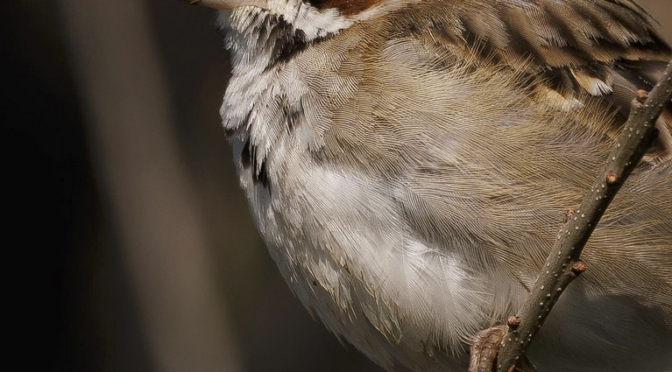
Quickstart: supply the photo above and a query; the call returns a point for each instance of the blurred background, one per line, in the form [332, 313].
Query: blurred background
[137, 250]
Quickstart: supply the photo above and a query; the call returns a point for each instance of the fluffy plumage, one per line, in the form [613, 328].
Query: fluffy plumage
[408, 163]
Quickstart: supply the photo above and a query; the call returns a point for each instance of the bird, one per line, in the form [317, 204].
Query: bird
[407, 163]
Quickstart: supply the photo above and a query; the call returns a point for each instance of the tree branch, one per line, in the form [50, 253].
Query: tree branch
[563, 264]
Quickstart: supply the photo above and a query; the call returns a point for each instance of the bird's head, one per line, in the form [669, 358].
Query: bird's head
[261, 33]
[348, 8]
[314, 18]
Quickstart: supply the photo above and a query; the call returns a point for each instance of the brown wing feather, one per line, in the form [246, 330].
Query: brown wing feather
[577, 48]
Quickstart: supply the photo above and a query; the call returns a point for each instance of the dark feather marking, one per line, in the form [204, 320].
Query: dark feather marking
[441, 29]
[289, 41]
[633, 22]
[572, 43]
[262, 177]
[249, 161]
[289, 44]
[521, 43]
[560, 80]
[229, 132]
[479, 45]
[630, 71]
[245, 156]
[292, 113]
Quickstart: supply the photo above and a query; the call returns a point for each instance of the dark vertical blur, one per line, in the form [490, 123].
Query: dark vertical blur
[84, 294]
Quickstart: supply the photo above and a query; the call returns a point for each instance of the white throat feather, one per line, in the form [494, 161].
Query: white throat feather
[263, 98]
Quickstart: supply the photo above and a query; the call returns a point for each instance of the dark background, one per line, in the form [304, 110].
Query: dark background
[129, 243]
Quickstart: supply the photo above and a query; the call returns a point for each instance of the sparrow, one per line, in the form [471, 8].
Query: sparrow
[407, 163]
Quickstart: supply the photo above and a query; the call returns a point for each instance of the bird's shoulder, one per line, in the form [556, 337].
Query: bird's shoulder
[575, 44]
[564, 52]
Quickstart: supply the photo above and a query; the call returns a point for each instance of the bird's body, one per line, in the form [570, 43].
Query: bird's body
[408, 163]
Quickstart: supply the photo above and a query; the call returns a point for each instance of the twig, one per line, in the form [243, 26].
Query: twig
[563, 264]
